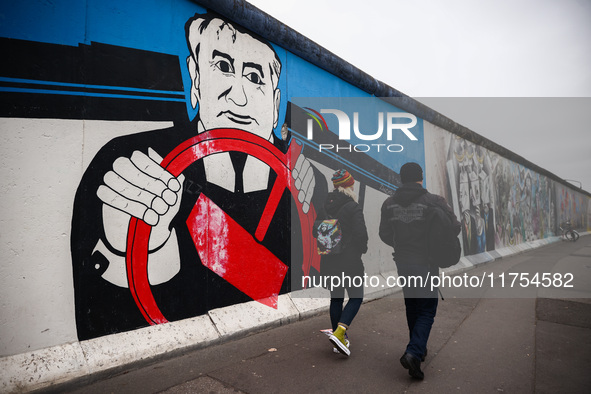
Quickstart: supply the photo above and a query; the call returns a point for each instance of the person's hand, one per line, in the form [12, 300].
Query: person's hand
[139, 187]
[304, 182]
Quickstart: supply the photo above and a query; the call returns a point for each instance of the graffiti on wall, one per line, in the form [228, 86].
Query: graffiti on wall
[572, 207]
[502, 203]
[213, 209]
[216, 209]
[526, 204]
[172, 223]
[470, 171]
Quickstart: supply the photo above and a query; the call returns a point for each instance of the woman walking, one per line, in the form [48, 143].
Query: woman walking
[341, 204]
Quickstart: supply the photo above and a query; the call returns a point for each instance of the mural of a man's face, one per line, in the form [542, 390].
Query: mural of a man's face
[234, 80]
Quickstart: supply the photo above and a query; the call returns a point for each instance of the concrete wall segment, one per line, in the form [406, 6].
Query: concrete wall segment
[34, 231]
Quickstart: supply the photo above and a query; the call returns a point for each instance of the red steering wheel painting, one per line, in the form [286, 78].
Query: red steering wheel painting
[223, 245]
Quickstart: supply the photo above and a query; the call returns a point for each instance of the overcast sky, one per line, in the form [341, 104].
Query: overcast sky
[473, 48]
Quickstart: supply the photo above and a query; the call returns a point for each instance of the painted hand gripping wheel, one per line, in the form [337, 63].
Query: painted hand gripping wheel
[243, 262]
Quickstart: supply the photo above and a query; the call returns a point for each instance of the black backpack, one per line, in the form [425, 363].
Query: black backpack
[443, 245]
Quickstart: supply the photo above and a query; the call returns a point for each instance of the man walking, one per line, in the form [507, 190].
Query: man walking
[403, 226]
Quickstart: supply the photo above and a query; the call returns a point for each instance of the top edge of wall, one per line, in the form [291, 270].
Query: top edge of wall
[277, 32]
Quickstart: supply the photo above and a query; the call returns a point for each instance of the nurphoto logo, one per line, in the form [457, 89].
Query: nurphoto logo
[361, 125]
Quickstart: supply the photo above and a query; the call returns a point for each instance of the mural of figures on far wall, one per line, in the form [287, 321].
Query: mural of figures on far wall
[470, 167]
[501, 203]
[525, 200]
[572, 207]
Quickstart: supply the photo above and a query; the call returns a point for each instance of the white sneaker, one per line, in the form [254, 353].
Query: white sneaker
[341, 346]
[335, 350]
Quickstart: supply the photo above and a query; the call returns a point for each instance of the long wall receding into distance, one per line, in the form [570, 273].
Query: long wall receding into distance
[162, 164]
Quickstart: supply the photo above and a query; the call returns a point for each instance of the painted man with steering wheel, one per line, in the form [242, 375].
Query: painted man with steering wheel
[234, 85]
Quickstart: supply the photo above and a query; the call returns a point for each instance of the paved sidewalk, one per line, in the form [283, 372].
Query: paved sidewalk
[485, 345]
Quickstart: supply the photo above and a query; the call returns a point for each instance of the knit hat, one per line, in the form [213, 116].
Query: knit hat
[411, 172]
[342, 178]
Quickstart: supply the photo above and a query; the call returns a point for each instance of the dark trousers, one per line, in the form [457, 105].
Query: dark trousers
[338, 314]
[420, 314]
[351, 267]
[346, 315]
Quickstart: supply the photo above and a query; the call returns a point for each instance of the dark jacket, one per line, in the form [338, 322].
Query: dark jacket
[350, 215]
[403, 225]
